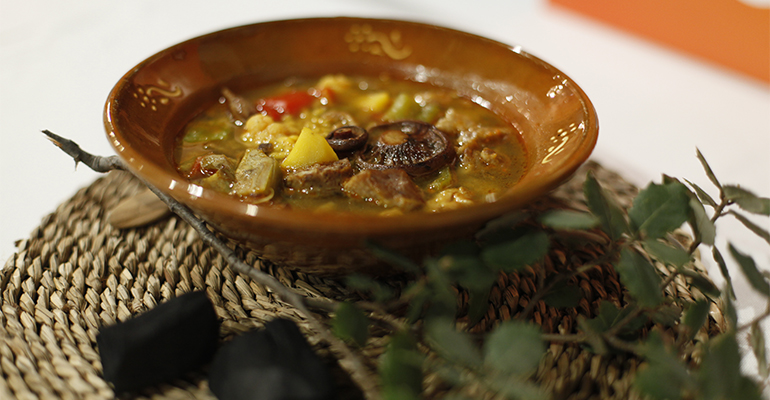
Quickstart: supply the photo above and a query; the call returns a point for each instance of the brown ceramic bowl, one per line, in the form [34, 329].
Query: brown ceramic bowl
[150, 104]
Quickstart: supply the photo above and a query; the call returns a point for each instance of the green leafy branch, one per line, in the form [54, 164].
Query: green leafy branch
[650, 258]
[426, 339]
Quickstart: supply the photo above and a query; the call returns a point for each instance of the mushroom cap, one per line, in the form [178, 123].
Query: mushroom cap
[347, 138]
[418, 148]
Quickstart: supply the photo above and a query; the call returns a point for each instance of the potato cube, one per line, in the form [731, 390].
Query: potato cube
[310, 148]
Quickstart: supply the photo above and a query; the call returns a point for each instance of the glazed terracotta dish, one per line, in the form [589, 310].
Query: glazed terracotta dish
[153, 120]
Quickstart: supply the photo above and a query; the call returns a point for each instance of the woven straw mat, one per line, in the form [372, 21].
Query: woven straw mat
[76, 273]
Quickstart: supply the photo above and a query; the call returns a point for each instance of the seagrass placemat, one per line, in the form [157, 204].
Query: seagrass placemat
[76, 273]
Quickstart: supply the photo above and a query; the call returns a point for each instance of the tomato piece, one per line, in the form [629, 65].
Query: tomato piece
[209, 164]
[198, 171]
[288, 103]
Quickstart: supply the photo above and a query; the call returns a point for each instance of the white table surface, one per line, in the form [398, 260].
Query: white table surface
[59, 60]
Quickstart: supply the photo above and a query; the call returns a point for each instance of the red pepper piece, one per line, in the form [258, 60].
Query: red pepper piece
[289, 103]
[198, 171]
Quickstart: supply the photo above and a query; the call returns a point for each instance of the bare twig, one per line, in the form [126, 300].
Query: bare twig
[619, 344]
[669, 279]
[96, 163]
[563, 337]
[355, 366]
[756, 319]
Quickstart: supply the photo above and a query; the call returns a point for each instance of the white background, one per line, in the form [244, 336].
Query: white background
[59, 60]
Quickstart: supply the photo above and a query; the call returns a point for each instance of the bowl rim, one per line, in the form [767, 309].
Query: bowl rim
[521, 193]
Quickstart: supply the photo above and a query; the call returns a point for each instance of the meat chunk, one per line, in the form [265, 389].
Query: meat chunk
[386, 188]
[240, 108]
[484, 162]
[469, 132]
[322, 179]
[450, 199]
[475, 142]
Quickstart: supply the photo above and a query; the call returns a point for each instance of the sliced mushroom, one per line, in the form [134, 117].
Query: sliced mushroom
[418, 148]
[347, 139]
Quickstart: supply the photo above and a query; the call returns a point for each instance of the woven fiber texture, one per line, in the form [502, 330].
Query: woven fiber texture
[76, 273]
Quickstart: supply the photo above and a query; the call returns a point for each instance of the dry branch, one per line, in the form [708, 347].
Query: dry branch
[349, 361]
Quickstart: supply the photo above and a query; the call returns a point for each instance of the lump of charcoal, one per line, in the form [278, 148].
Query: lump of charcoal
[270, 364]
[162, 344]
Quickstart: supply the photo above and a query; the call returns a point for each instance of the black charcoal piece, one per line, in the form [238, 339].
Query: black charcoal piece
[162, 344]
[270, 364]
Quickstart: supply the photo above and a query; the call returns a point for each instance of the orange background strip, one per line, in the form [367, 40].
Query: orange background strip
[727, 32]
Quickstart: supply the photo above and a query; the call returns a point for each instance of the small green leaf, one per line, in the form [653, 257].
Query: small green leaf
[419, 299]
[451, 373]
[478, 305]
[380, 292]
[667, 315]
[604, 206]
[759, 231]
[456, 396]
[701, 224]
[464, 266]
[640, 277]
[400, 368]
[398, 393]
[666, 253]
[655, 382]
[512, 388]
[702, 283]
[473, 275]
[723, 269]
[695, 317]
[503, 223]
[747, 200]
[594, 337]
[513, 255]
[708, 170]
[720, 370]
[567, 219]
[442, 296]
[749, 268]
[461, 249]
[659, 209]
[758, 346]
[719, 375]
[452, 344]
[609, 315]
[729, 311]
[350, 324]
[665, 376]
[563, 296]
[514, 348]
[393, 258]
[704, 197]
[748, 390]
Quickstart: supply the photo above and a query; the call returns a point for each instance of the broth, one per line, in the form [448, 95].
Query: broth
[352, 144]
